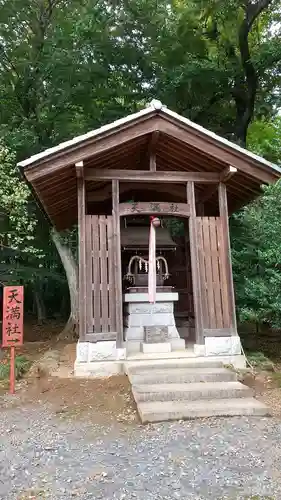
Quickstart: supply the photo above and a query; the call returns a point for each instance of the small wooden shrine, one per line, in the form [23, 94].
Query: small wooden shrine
[135, 251]
[172, 167]
[149, 324]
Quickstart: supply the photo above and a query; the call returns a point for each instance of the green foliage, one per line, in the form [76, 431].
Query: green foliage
[26, 254]
[22, 365]
[264, 138]
[256, 238]
[258, 497]
[256, 253]
[17, 223]
[259, 360]
[175, 226]
[69, 66]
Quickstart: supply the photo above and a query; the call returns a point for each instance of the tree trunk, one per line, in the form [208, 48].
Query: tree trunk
[246, 107]
[39, 303]
[70, 331]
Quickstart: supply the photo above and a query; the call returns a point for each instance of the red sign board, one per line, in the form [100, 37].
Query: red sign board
[12, 316]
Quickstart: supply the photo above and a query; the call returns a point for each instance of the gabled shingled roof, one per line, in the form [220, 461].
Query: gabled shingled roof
[182, 145]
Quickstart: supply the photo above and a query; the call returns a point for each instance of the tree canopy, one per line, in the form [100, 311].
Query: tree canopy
[70, 66]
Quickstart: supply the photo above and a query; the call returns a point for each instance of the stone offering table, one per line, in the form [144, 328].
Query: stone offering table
[151, 327]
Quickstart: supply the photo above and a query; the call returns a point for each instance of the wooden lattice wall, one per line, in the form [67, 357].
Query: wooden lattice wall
[100, 277]
[214, 283]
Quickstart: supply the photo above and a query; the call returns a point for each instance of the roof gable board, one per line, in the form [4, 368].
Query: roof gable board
[154, 110]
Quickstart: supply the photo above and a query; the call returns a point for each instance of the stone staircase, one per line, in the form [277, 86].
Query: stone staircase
[171, 389]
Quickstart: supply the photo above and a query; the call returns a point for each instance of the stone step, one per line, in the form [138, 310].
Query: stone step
[181, 375]
[167, 364]
[190, 392]
[156, 411]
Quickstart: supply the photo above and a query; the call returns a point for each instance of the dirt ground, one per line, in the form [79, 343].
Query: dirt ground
[50, 380]
[98, 400]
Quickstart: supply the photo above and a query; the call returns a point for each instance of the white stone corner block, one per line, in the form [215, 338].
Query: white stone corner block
[120, 353]
[82, 352]
[236, 345]
[222, 346]
[102, 351]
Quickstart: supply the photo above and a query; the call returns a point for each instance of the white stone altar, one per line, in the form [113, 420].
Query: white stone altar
[149, 326]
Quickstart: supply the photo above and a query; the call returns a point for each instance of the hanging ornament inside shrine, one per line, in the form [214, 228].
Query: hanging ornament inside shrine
[154, 223]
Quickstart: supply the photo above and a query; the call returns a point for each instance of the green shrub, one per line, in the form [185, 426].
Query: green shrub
[259, 360]
[22, 365]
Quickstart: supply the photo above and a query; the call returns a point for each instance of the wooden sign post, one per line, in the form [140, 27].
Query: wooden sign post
[12, 334]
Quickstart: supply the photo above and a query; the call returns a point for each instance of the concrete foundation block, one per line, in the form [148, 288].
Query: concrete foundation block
[102, 351]
[177, 344]
[238, 361]
[82, 352]
[133, 346]
[120, 353]
[134, 333]
[173, 331]
[184, 332]
[156, 348]
[143, 297]
[199, 349]
[98, 369]
[236, 345]
[163, 319]
[146, 308]
[222, 346]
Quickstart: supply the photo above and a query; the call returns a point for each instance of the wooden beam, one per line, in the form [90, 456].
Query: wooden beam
[90, 148]
[152, 162]
[188, 136]
[79, 167]
[82, 248]
[195, 270]
[117, 262]
[153, 141]
[225, 175]
[89, 274]
[152, 150]
[104, 193]
[92, 174]
[224, 216]
[154, 207]
[221, 152]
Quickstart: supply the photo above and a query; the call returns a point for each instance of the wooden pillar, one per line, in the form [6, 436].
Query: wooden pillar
[117, 262]
[195, 269]
[222, 192]
[81, 201]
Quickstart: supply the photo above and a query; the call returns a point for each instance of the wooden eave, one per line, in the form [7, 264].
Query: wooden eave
[178, 145]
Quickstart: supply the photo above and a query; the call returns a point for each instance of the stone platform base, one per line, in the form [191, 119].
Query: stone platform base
[219, 346]
[98, 369]
[135, 346]
[100, 359]
[103, 359]
[151, 323]
[156, 348]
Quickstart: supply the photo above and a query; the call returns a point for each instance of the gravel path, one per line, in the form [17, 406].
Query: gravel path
[44, 455]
